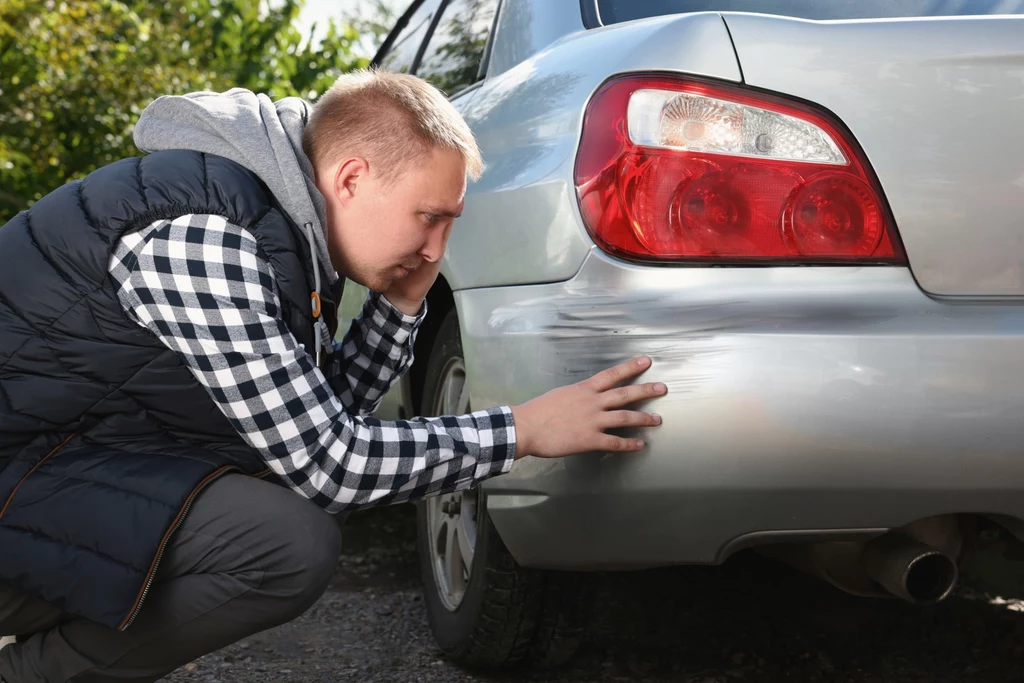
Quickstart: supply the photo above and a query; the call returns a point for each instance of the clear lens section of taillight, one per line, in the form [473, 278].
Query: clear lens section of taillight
[674, 169]
[699, 123]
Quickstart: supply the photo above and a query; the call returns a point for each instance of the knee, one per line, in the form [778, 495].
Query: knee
[309, 558]
[320, 552]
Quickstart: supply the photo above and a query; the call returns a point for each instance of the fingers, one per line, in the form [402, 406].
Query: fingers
[621, 396]
[629, 418]
[617, 444]
[606, 379]
[625, 418]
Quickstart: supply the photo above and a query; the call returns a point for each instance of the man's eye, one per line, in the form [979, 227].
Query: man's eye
[431, 218]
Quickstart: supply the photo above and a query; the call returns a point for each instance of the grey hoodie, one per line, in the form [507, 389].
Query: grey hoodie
[251, 130]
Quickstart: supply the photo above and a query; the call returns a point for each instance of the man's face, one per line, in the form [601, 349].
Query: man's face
[375, 228]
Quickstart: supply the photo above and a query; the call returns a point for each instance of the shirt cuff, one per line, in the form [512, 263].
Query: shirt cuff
[386, 316]
[498, 437]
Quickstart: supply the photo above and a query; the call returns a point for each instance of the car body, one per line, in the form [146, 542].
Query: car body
[807, 402]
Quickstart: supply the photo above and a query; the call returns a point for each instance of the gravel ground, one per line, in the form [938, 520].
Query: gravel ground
[751, 620]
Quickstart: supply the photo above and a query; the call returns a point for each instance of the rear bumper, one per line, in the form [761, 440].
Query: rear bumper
[801, 401]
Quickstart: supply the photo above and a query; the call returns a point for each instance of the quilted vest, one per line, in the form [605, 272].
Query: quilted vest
[105, 436]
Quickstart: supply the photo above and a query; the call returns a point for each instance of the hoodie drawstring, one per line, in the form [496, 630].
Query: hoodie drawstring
[321, 334]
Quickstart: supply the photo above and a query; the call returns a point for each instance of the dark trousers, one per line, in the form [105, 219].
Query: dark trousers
[250, 555]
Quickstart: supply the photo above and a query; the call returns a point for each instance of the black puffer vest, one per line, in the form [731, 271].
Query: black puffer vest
[105, 436]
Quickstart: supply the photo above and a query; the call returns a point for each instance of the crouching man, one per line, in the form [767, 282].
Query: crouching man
[177, 425]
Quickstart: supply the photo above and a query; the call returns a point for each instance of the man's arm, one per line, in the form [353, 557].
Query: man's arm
[376, 352]
[222, 318]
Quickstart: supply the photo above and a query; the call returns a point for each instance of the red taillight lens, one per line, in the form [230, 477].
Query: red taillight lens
[677, 169]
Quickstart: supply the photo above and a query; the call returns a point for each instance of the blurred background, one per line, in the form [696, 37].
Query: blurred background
[75, 75]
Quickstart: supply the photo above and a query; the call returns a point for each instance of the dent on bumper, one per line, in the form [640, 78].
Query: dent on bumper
[800, 399]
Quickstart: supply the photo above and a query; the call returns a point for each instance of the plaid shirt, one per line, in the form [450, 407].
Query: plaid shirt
[204, 287]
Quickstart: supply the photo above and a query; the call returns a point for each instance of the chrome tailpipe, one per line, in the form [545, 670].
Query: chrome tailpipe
[909, 569]
[895, 564]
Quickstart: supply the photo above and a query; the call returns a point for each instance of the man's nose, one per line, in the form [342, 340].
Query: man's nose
[433, 249]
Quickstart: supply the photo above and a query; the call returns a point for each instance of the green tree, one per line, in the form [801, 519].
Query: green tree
[375, 22]
[75, 75]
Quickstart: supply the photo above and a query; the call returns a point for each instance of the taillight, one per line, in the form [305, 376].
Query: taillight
[685, 170]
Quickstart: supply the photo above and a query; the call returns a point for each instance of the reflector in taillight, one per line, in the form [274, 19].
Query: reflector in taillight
[678, 169]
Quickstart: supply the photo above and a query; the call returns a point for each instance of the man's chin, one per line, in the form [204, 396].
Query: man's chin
[380, 284]
[375, 283]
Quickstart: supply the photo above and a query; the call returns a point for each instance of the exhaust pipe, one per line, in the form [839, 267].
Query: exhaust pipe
[910, 570]
[895, 564]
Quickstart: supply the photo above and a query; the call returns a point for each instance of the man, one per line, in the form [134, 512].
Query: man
[168, 384]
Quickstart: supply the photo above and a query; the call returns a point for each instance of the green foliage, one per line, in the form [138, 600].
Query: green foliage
[75, 75]
[374, 25]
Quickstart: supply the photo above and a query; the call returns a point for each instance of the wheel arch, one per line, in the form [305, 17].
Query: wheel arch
[440, 300]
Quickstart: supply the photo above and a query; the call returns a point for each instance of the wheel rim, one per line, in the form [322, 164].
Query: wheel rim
[452, 517]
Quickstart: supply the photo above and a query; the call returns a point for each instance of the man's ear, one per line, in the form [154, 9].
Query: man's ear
[350, 174]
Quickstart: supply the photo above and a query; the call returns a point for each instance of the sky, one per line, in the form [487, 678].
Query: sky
[319, 10]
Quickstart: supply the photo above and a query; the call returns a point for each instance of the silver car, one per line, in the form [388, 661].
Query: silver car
[809, 213]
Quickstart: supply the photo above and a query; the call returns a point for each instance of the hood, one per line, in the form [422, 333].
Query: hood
[252, 130]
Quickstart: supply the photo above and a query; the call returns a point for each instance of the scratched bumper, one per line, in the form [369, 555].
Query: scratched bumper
[800, 400]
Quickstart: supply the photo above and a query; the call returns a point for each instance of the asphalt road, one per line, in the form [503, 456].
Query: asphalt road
[751, 620]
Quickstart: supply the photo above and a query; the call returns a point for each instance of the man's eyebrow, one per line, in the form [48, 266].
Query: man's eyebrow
[441, 211]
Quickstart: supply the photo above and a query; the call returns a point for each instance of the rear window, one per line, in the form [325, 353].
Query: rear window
[614, 11]
[406, 45]
[453, 55]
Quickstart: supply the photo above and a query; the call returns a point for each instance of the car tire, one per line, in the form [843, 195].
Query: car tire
[500, 614]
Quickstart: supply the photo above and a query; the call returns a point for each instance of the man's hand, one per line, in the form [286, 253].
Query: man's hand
[572, 419]
[407, 293]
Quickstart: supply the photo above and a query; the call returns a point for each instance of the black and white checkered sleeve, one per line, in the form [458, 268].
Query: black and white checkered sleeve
[205, 288]
[376, 352]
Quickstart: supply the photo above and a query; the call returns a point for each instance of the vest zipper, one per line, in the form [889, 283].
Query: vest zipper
[167, 537]
[163, 544]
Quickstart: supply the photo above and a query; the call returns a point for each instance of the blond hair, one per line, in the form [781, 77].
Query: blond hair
[389, 119]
